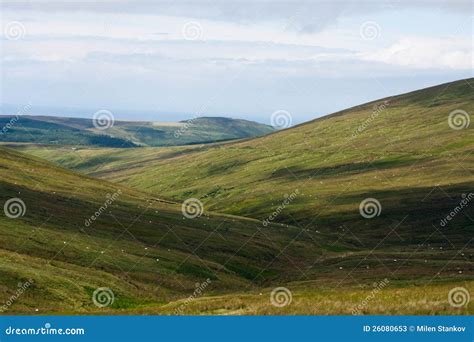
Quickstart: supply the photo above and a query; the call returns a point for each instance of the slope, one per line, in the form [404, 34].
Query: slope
[401, 151]
[143, 248]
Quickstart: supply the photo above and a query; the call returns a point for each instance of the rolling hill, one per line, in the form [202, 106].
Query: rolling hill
[155, 260]
[399, 150]
[143, 248]
[82, 132]
[332, 208]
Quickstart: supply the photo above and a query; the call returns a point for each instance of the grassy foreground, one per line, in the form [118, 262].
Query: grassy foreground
[143, 248]
[152, 257]
[311, 299]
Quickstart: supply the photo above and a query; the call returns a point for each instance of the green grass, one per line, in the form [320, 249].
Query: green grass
[142, 248]
[407, 157]
[318, 244]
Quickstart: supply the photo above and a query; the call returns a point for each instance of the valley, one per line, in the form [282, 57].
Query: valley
[327, 209]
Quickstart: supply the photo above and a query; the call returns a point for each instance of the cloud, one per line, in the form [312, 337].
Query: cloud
[426, 53]
[251, 56]
[301, 16]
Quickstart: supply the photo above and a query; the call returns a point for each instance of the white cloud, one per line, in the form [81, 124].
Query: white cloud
[302, 16]
[426, 53]
[270, 53]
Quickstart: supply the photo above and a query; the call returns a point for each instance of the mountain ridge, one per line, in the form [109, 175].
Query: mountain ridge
[125, 133]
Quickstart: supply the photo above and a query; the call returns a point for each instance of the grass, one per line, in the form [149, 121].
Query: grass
[317, 244]
[407, 157]
[313, 299]
[142, 248]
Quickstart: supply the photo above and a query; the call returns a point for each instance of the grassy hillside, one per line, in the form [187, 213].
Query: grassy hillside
[301, 189]
[82, 132]
[141, 247]
[154, 259]
[400, 151]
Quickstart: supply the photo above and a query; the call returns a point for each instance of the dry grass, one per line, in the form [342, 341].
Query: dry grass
[429, 299]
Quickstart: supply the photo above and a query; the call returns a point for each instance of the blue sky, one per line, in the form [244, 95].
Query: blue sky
[165, 61]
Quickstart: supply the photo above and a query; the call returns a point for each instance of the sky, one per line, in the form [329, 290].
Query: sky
[175, 60]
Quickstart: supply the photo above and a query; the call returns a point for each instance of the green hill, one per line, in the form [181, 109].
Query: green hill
[399, 150]
[300, 188]
[141, 247]
[41, 130]
[82, 132]
[156, 261]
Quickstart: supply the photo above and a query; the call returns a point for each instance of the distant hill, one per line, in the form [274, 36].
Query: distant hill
[82, 132]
